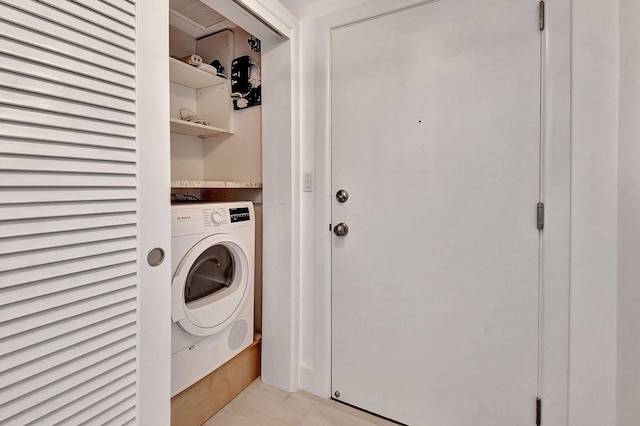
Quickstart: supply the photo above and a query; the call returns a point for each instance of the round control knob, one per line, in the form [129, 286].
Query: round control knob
[216, 217]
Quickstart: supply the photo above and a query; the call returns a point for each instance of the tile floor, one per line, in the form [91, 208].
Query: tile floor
[262, 405]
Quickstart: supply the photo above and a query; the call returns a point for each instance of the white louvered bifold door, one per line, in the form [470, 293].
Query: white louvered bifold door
[68, 212]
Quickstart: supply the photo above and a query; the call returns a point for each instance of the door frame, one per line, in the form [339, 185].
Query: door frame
[315, 349]
[281, 188]
[154, 213]
[281, 141]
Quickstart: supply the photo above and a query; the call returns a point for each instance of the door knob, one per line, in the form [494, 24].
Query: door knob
[342, 196]
[341, 229]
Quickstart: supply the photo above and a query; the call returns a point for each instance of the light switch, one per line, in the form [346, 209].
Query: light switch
[307, 182]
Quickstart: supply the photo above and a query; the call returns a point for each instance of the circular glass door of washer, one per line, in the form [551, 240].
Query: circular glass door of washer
[211, 273]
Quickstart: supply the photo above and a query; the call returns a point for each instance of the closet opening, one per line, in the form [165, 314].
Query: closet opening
[216, 156]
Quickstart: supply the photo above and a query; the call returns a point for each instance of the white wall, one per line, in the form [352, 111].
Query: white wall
[237, 157]
[594, 125]
[186, 157]
[629, 217]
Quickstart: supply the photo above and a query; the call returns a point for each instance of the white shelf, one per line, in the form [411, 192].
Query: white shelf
[208, 184]
[190, 76]
[194, 129]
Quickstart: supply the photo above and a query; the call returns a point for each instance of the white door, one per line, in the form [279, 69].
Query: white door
[435, 137]
[83, 199]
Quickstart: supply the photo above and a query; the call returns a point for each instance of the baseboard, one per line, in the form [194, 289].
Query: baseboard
[306, 378]
[308, 381]
[197, 403]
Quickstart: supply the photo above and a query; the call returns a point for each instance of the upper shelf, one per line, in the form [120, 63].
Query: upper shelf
[190, 76]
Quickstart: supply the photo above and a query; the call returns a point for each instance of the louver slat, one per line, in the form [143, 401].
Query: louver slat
[32, 76]
[61, 239]
[79, 404]
[70, 360]
[49, 34]
[117, 398]
[46, 103]
[115, 14]
[35, 227]
[65, 312]
[99, 395]
[87, 62]
[112, 354]
[62, 180]
[60, 254]
[98, 388]
[43, 304]
[83, 20]
[118, 415]
[66, 62]
[68, 212]
[36, 133]
[63, 150]
[75, 208]
[27, 163]
[51, 331]
[126, 6]
[66, 121]
[58, 269]
[64, 91]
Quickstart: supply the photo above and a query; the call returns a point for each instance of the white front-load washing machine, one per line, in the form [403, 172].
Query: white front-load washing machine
[212, 288]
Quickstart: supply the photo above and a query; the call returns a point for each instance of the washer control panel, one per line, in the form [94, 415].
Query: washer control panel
[205, 217]
[215, 217]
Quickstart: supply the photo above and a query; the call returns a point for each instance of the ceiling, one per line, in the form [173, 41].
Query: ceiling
[197, 19]
[295, 4]
[198, 12]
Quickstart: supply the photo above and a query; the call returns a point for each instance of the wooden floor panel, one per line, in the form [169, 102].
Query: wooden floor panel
[263, 405]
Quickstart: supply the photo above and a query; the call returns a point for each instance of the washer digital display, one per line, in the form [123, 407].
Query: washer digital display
[240, 214]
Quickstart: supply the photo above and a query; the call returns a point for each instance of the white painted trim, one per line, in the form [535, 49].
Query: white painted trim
[270, 14]
[557, 198]
[315, 368]
[281, 185]
[270, 11]
[281, 215]
[154, 220]
[316, 300]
